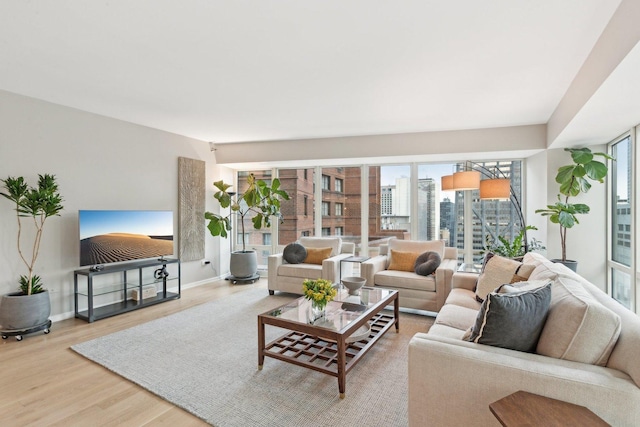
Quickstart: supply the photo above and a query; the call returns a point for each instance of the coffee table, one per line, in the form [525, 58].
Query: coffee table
[326, 345]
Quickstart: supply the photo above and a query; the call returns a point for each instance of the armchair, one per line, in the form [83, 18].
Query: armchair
[287, 277]
[415, 291]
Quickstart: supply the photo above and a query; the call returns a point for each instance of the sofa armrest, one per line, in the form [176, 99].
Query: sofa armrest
[444, 274]
[464, 280]
[452, 382]
[331, 267]
[370, 267]
[273, 262]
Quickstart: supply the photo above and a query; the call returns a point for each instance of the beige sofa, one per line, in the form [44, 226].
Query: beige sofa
[452, 381]
[289, 277]
[415, 291]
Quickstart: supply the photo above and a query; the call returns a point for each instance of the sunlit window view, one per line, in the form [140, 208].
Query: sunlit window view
[621, 221]
[399, 206]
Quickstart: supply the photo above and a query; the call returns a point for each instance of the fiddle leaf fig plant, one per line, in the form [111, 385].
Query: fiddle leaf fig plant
[260, 199]
[38, 203]
[574, 179]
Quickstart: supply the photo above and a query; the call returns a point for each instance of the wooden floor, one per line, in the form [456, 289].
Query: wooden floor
[45, 383]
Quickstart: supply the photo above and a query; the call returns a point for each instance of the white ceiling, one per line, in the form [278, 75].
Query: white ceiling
[230, 71]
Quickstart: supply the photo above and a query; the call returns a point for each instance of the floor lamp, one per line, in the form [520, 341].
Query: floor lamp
[496, 187]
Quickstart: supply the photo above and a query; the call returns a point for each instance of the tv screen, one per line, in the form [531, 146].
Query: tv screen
[116, 236]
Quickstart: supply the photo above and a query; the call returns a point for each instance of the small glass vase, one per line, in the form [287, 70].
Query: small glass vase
[318, 311]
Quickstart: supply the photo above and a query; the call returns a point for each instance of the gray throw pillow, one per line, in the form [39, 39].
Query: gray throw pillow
[427, 263]
[294, 253]
[512, 320]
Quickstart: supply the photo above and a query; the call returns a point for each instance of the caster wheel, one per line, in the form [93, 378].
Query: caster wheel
[4, 337]
[18, 337]
[46, 331]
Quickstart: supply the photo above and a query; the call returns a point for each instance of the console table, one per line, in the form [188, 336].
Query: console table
[124, 292]
[527, 409]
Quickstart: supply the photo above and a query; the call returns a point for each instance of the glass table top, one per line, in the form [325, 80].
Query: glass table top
[338, 314]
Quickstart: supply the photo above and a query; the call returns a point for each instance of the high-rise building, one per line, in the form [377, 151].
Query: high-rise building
[427, 209]
[448, 221]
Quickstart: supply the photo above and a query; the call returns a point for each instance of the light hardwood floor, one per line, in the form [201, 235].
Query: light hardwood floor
[45, 383]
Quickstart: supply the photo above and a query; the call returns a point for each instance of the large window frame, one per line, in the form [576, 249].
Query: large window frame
[622, 267]
[367, 172]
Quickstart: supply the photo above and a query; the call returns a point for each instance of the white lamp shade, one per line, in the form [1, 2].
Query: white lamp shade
[467, 180]
[495, 189]
[446, 183]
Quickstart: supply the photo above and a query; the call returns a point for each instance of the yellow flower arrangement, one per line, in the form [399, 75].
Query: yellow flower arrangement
[319, 292]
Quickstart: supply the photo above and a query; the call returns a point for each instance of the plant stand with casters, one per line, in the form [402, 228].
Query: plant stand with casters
[243, 280]
[18, 333]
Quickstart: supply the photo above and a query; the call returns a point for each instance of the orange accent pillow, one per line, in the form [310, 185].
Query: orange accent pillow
[317, 255]
[403, 261]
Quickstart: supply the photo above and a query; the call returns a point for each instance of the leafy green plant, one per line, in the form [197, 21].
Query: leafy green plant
[512, 249]
[260, 198]
[574, 180]
[38, 203]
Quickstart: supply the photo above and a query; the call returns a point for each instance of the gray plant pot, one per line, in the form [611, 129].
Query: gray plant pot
[243, 264]
[571, 264]
[20, 312]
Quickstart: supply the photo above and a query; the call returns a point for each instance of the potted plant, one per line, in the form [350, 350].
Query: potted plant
[261, 201]
[29, 308]
[515, 248]
[574, 180]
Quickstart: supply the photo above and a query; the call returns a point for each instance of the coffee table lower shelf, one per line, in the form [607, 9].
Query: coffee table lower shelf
[331, 355]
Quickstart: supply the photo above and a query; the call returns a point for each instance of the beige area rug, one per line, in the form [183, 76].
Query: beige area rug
[204, 359]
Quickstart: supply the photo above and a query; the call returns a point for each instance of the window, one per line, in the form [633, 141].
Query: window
[306, 205]
[305, 234]
[325, 208]
[339, 209]
[266, 239]
[326, 231]
[339, 231]
[326, 182]
[338, 183]
[394, 193]
[621, 219]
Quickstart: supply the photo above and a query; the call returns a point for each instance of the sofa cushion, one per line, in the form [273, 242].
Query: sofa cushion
[512, 320]
[497, 271]
[463, 298]
[317, 255]
[415, 246]
[309, 271]
[579, 328]
[405, 280]
[294, 253]
[402, 261]
[427, 263]
[335, 243]
[456, 316]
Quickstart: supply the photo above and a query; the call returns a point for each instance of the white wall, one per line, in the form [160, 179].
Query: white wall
[535, 171]
[100, 163]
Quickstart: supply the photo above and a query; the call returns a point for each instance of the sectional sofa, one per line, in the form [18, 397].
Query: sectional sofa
[588, 353]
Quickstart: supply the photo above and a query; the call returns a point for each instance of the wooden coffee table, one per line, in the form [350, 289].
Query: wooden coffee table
[325, 345]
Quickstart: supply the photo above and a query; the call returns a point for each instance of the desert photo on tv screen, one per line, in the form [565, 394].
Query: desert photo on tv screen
[116, 236]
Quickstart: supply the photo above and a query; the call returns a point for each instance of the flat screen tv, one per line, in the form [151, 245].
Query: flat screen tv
[117, 236]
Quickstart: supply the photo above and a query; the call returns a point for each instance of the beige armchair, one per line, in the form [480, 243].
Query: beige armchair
[415, 291]
[288, 277]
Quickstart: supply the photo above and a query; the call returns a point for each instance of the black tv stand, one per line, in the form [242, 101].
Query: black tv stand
[94, 301]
